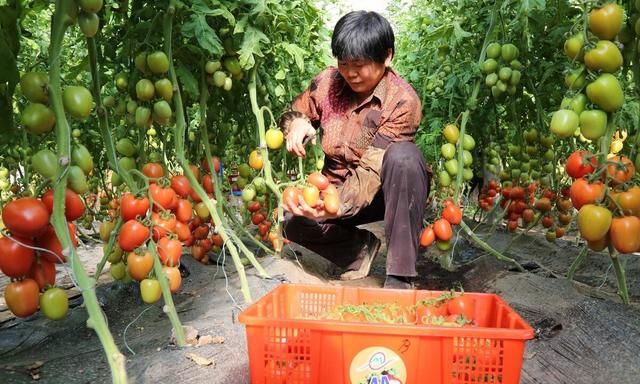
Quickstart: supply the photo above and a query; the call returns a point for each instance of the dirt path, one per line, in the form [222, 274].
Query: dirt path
[585, 334]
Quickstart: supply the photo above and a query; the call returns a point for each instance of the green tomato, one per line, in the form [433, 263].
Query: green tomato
[118, 270]
[218, 78]
[232, 65]
[593, 124]
[468, 142]
[489, 66]
[81, 157]
[122, 81]
[34, 85]
[467, 158]
[150, 290]
[509, 52]
[260, 184]
[491, 80]
[145, 90]
[444, 179]
[92, 6]
[575, 79]
[77, 180]
[451, 166]
[54, 303]
[164, 88]
[443, 245]
[515, 77]
[162, 109]
[605, 57]
[126, 147]
[576, 103]
[45, 163]
[77, 101]
[516, 65]
[248, 193]
[494, 50]
[228, 83]
[467, 174]
[158, 62]
[504, 74]
[564, 123]
[573, 46]
[244, 170]
[448, 151]
[143, 117]
[4, 172]
[89, 23]
[606, 92]
[212, 66]
[38, 118]
[127, 163]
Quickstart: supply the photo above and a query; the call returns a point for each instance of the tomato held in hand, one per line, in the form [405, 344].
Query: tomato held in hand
[319, 180]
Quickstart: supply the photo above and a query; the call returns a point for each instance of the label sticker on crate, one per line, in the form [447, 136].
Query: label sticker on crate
[377, 365]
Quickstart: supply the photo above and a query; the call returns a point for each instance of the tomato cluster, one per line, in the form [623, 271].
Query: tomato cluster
[29, 254]
[441, 231]
[449, 151]
[502, 69]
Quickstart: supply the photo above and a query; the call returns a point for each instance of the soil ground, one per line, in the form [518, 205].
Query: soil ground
[583, 332]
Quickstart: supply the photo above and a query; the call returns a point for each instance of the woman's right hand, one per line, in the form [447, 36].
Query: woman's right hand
[299, 131]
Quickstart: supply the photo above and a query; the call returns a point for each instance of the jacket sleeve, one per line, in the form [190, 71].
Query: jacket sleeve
[304, 106]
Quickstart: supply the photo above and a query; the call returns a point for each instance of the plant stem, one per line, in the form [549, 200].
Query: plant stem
[86, 284]
[488, 248]
[620, 276]
[577, 262]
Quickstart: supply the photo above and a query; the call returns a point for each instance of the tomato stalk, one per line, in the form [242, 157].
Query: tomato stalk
[107, 250]
[103, 118]
[264, 151]
[578, 260]
[488, 248]
[180, 154]
[86, 284]
[620, 275]
[216, 186]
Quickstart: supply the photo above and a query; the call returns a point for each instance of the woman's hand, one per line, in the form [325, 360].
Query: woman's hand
[299, 131]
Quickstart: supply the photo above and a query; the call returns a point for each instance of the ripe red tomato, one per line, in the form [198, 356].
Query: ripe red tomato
[452, 214]
[543, 204]
[442, 229]
[26, 216]
[22, 297]
[207, 183]
[173, 275]
[257, 218]
[462, 305]
[624, 234]
[181, 185]
[291, 196]
[162, 197]
[253, 206]
[73, 204]
[214, 160]
[43, 272]
[629, 201]
[153, 171]
[184, 210]
[427, 237]
[163, 224]
[49, 240]
[582, 192]
[217, 240]
[169, 251]
[319, 180]
[131, 206]
[183, 232]
[620, 169]
[132, 235]
[15, 260]
[580, 163]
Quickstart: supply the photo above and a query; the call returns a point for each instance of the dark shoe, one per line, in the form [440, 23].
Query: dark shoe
[398, 282]
[368, 254]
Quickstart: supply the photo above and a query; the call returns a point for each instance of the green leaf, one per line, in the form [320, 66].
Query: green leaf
[280, 75]
[252, 45]
[459, 32]
[280, 91]
[532, 5]
[296, 53]
[241, 25]
[201, 8]
[188, 81]
[206, 36]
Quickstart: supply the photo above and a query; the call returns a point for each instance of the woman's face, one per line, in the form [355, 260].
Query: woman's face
[363, 75]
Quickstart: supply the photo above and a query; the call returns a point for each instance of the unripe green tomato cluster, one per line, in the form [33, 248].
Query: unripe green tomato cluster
[449, 160]
[502, 69]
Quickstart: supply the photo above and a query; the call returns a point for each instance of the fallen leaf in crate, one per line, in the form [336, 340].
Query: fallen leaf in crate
[199, 359]
[208, 339]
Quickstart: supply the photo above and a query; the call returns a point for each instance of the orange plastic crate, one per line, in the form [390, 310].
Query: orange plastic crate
[286, 349]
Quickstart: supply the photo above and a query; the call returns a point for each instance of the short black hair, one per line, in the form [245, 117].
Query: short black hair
[362, 35]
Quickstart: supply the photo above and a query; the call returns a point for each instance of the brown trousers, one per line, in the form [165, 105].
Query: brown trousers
[400, 203]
